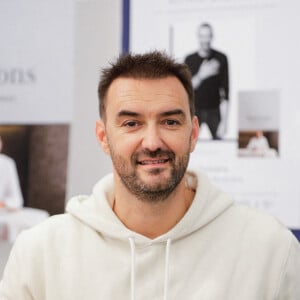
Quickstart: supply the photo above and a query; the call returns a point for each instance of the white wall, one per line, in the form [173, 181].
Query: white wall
[97, 41]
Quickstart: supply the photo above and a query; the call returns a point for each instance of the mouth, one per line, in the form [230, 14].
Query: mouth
[147, 162]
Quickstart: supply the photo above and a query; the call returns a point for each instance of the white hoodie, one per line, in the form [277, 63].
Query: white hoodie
[218, 251]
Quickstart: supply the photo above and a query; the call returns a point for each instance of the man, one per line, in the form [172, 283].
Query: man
[209, 69]
[152, 229]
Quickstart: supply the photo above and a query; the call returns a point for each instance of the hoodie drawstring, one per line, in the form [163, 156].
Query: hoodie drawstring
[166, 283]
[166, 275]
[132, 279]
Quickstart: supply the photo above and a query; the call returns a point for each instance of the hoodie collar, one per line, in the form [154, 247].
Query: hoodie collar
[96, 210]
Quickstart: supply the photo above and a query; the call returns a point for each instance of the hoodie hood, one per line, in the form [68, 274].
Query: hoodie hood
[96, 210]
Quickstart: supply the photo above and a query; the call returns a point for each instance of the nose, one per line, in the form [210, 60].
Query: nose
[152, 139]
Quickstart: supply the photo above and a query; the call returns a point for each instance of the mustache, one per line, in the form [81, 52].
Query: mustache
[154, 154]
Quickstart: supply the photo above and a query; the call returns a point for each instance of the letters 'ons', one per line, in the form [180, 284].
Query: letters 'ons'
[11, 76]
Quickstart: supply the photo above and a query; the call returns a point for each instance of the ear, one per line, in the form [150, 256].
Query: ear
[195, 133]
[101, 136]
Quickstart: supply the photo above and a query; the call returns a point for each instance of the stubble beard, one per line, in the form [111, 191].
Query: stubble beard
[157, 191]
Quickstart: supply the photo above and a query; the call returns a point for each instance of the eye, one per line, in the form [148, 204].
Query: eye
[131, 124]
[171, 122]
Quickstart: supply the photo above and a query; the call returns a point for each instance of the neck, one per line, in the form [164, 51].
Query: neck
[204, 52]
[148, 218]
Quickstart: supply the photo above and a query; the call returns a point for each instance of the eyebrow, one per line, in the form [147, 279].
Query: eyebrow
[129, 113]
[173, 112]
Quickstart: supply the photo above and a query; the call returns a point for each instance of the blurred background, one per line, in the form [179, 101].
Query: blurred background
[47, 119]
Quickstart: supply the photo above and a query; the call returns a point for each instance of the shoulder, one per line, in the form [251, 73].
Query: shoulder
[260, 226]
[37, 251]
[52, 231]
[49, 242]
[271, 247]
[219, 55]
[255, 217]
[263, 238]
[4, 159]
[191, 56]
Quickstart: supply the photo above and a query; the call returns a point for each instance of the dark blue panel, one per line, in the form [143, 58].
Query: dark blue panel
[296, 233]
[125, 27]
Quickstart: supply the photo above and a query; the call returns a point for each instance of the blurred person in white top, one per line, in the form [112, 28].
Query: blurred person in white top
[10, 193]
[259, 142]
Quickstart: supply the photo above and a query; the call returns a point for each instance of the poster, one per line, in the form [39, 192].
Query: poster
[36, 95]
[257, 158]
[36, 62]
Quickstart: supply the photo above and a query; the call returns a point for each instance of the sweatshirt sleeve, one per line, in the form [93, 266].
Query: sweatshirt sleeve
[289, 285]
[13, 285]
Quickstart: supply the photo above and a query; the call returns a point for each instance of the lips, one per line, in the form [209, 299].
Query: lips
[157, 158]
[153, 161]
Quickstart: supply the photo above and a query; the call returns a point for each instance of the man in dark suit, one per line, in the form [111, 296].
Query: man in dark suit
[209, 69]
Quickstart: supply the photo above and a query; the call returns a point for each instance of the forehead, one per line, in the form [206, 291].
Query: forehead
[204, 31]
[146, 94]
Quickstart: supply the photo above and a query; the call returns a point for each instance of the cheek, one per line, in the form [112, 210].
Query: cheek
[179, 144]
[122, 146]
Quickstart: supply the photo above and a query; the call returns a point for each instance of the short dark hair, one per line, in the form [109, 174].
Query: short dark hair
[207, 25]
[151, 65]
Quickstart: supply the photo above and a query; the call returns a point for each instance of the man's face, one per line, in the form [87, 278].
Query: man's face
[205, 38]
[149, 134]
